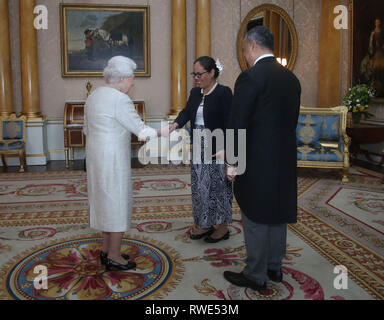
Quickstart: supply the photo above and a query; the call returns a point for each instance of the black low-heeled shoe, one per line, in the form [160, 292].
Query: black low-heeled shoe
[114, 266]
[212, 240]
[201, 236]
[104, 257]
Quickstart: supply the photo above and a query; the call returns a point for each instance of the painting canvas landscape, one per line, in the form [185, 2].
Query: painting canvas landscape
[91, 35]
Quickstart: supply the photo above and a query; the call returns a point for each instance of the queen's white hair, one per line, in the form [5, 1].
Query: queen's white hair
[119, 67]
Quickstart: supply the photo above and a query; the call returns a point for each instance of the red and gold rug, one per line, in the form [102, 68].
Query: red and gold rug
[44, 223]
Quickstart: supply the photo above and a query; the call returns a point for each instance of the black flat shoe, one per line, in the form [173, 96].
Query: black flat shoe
[104, 257]
[238, 279]
[275, 276]
[115, 266]
[201, 236]
[213, 240]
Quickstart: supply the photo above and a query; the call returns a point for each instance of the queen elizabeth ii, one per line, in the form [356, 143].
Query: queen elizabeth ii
[110, 119]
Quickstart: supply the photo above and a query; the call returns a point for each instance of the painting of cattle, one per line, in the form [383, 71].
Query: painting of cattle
[91, 35]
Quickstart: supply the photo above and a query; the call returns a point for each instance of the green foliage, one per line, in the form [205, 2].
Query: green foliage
[358, 100]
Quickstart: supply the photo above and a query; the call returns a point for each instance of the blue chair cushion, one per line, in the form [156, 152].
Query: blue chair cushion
[12, 130]
[14, 146]
[330, 128]
[308, 130]
[319, 153]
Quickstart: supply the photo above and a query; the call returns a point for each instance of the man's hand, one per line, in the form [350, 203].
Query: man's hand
[231, 173]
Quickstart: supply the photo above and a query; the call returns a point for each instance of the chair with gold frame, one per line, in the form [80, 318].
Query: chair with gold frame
[322, 139]
[12, 139]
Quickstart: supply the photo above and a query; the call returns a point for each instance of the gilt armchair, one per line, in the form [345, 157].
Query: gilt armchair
[322, 139]
[12, 139]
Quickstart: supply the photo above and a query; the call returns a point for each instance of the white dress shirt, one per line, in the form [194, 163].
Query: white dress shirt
[263, 56]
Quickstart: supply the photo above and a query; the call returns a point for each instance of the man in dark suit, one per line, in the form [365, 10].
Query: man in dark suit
[266, 103]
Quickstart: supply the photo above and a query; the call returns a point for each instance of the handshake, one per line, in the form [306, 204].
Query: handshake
[231, 171]
[167, 130]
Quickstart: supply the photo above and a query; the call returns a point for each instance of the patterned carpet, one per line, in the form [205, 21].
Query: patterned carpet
[44, 223]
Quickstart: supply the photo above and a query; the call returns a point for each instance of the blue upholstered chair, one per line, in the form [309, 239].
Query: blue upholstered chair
[12, 140]
[322, 141]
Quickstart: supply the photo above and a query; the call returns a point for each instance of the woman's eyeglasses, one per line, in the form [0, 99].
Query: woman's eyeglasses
[198, 75]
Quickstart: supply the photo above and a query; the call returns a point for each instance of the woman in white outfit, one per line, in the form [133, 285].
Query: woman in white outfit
[110, 119]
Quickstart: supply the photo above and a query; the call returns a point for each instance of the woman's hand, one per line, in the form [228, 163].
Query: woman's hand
[173, 127]
[220, 155]
[167, 130]
[163, 132]
[231, 173]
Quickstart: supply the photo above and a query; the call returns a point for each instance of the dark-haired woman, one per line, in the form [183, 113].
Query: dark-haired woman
[208, 107]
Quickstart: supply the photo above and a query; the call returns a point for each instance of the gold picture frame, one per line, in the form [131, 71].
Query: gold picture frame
[289, 34]
[361, 26]
[92, 34]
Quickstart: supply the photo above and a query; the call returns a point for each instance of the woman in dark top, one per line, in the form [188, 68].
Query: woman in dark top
[208, 107]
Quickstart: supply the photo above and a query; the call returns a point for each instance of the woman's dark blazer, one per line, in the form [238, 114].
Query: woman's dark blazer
[217, 109]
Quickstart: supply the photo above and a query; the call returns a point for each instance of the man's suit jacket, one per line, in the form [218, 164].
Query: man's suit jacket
[267, 103]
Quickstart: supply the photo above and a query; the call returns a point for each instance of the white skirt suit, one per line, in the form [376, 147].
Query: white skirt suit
[110, 118]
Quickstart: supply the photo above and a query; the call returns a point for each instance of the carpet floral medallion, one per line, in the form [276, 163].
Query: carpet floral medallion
[334, 252]
[75, 271]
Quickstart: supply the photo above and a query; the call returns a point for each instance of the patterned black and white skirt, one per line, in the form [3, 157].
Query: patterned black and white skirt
[211, 191]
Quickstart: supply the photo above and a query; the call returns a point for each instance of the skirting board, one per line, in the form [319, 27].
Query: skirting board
[45, 142]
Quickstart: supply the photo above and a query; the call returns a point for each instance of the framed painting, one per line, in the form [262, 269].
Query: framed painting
[92, 34]
[367, 44]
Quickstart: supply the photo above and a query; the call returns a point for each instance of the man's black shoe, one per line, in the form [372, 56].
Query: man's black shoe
[238, 279]
[275, 276]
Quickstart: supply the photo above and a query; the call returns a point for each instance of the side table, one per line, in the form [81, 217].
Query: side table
[365, 134]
